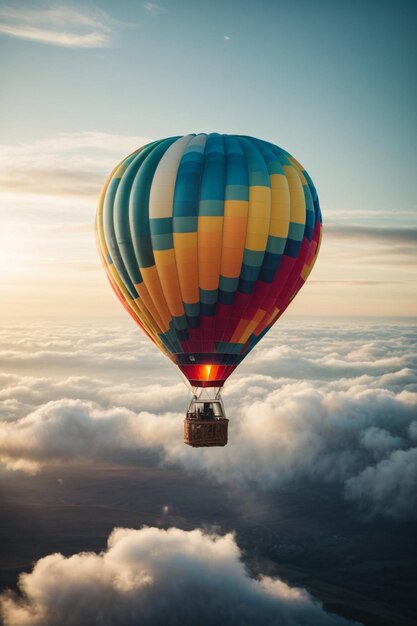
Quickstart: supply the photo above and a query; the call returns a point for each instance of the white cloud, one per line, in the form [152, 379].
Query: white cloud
[348, 421]
[70, 40]
[65, 430]
[226, 37]
[88, 29]
[276, 436]
[119, 350]
[152, 576]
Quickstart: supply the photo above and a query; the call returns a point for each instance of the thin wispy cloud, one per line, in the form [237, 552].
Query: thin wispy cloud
[394, 235]
[153, 8]
[372, 217]
[58, 25]
[374, 246]
[66, 165]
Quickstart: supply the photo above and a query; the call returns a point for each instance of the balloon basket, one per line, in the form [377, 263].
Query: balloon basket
[205, 424]
[205, 433]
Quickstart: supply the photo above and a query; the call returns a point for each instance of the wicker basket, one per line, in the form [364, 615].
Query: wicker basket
[201, 433]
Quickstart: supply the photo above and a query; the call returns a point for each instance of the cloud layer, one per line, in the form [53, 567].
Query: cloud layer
[58, 25]
[350, 420]
[152, 576]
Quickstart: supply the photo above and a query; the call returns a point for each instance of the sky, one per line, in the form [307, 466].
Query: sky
[85, 84]
[316, 515]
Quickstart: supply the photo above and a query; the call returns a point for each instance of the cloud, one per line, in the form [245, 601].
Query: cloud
[390, 235]
[89, 29]
[65, 430]
[276, 438]
[374, 245]
[326, 405]
[74, 164]
[379, 441]
[76, 350]
[153, 576]
[70, 40]
[388, 487]
[372, 217]
[154, 9]
[226, 37]
[293, 349]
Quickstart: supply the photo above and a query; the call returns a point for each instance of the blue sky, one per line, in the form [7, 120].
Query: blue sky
[331, 82]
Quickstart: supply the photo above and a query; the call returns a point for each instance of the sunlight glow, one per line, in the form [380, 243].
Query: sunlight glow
[14, 257]
[6, 260]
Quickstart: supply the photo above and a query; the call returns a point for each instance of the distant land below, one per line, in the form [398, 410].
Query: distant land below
[308, 536]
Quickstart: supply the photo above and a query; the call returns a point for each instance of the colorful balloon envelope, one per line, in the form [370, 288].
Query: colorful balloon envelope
[206, 239]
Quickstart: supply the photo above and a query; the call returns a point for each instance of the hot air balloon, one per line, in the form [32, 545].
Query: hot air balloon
[206, 239]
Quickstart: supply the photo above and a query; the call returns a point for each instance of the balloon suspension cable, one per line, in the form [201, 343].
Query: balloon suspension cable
[209, 393]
